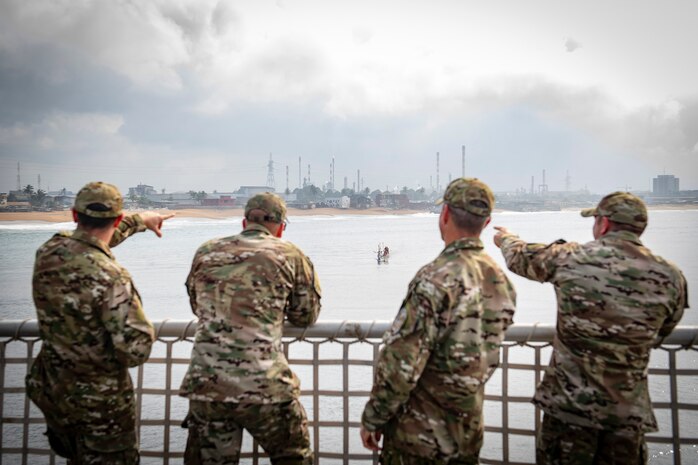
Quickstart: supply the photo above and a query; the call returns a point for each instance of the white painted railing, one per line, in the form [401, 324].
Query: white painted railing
[335, 363]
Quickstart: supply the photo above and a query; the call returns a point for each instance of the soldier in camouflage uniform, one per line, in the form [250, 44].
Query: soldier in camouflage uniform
[616, 300]
[443, 346]
[242, 288]
[93, 329]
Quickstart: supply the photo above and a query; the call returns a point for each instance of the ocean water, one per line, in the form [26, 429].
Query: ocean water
[343, 249]
[356, 287]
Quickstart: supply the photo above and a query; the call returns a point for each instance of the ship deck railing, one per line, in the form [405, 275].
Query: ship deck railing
[335, 362]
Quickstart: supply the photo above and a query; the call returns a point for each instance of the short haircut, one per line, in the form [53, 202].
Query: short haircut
[613, 226]
[91, 222]
[466, 221]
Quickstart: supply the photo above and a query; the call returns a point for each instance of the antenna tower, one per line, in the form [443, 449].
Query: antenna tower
[568, 181]
[438, 189]
[19, 181]
[299, 173]
[543, 187]
[270, 173]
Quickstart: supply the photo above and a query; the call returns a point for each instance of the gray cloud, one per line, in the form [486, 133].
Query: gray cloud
[179, 97]
[571, 44]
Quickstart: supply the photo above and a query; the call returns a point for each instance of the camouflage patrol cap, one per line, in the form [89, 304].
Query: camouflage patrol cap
[469, 194]
[99, 200]
[270, 203]
[621, 207]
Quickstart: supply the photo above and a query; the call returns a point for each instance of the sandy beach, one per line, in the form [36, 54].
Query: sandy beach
[65, 216]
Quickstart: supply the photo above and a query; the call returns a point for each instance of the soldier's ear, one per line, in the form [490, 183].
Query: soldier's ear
[118, 219]
[604, 225]
[75, 215]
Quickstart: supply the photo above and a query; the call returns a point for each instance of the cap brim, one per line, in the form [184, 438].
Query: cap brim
[439, 201]
[587, 212]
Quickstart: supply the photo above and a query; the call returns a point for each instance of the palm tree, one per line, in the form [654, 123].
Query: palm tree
[28, 189]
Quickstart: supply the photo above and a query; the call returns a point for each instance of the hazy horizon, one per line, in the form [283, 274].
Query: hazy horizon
[195, 95]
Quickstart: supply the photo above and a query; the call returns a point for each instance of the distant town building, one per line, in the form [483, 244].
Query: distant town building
[3, 199]
[361, 201]
[665, 184]
[141, 190]
[250, 191]
[18, 196]
[219, 201]
[387, 200]
[342, 202]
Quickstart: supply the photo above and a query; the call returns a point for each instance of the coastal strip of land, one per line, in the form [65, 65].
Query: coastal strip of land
[208, 213]
[219, 213]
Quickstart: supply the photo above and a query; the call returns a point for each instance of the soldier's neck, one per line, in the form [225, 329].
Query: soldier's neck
[104, 234]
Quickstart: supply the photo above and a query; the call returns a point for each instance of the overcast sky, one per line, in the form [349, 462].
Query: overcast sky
[195, 95]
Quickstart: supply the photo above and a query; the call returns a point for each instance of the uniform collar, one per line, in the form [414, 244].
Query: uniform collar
[89, 239]
[256, 228]
[465, 243]
[622, 236]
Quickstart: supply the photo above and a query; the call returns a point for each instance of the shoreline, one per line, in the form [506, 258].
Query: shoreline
[65, 216]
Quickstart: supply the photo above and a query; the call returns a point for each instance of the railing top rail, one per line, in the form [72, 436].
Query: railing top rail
[353, 329]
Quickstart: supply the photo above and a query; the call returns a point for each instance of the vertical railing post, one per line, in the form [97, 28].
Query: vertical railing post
[674, 401]
[505, 403]
[3, 364]
[25, 421]
[139, 401]
[345, 399]
[537, 373]
[316, 400]
[168, 402]
[376, 353]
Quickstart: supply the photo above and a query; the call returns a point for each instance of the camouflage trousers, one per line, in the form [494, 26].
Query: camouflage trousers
[215, 432]
[88, 423]
[560, 443]
[81, 449]
[393, 457]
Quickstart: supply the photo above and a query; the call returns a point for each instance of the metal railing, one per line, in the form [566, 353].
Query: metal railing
[335, 363]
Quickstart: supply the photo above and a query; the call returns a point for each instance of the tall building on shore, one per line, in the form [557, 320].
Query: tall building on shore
[665, 184]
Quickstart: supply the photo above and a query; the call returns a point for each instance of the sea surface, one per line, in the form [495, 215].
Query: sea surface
[355, 286]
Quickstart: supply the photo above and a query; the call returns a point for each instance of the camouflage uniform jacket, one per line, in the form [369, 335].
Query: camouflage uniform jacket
[242, 288]
[615, 302]
[442, 348]
[92, 328]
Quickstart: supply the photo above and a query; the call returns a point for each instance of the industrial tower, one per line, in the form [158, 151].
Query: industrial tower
[270, 173]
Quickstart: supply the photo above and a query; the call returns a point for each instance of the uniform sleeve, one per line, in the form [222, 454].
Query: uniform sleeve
[303, 306]
[677, 312]
[129, 225]
[191, 283]
[408, 346]
[131, 332]
[533, 261]
[499, 304]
